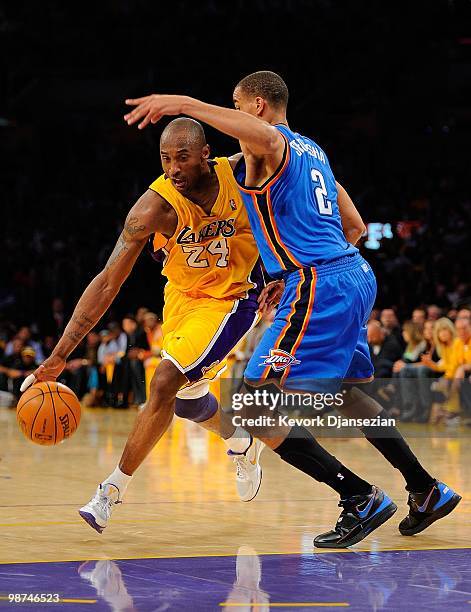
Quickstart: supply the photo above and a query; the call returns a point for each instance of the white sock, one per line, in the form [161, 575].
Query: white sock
[240, 441]
[120, 480]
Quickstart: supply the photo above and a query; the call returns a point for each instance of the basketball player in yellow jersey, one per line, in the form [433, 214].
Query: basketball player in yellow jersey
[195, 214]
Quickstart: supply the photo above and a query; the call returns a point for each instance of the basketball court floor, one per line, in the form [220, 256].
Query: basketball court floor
[182, 540]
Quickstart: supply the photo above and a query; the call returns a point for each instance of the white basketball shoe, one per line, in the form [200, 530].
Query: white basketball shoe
[98, 511]
[248, 470]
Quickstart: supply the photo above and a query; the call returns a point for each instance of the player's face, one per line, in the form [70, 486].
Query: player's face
[246, 103]
[183, 164]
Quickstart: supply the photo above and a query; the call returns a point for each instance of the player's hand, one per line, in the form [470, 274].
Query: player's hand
[152, 108]
[270, 296]
[48, 370]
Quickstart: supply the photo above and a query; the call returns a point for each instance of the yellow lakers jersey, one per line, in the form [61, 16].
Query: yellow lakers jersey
[209, 255]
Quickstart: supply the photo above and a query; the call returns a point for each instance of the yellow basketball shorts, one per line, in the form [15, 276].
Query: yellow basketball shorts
[198, 334]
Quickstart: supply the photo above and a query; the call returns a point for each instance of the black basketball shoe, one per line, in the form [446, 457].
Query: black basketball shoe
[428, 507]
[361, 515]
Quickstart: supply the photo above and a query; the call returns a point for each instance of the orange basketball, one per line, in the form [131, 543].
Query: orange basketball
[48, 413]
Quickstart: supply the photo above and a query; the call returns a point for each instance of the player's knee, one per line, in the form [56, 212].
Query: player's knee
[357, 404]
[165, 384]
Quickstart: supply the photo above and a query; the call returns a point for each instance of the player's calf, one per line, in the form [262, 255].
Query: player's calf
[245, 450]
[148, 428]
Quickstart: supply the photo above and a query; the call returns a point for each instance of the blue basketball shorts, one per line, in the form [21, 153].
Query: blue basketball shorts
[319, 331]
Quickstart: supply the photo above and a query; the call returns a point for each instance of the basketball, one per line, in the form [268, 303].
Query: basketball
[48, 413]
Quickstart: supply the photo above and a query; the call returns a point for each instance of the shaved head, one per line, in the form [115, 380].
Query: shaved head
[183, 132]
[184, 154]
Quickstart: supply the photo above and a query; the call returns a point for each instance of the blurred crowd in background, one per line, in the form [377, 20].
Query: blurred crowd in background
[383, 92]
[422, 366]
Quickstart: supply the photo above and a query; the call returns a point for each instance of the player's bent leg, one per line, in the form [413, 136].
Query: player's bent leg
[148, 428]
[197, 404]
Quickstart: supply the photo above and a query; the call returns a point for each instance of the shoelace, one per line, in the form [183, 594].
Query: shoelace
[351, 502]
[105, 503]
[241, 472]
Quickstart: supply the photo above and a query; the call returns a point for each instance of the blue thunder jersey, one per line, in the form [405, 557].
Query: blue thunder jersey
[294, 215]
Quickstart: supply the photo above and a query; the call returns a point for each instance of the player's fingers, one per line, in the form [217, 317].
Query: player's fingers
[137, 114]
[136, 101]
[147, 120]
[28, 381]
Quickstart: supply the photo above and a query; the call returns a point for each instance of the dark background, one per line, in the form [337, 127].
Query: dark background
[382, 86]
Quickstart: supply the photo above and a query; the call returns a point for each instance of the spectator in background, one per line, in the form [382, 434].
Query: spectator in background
[384, 348]
[136, 334]
[96, 381]
[405, 369]
[58, 316]
[153, 330]
[429, 326]
[451, 314]
[460, 295]
[133, 367]
[415, 345]
[459, 369]
[390, 324]
[140, 314]
[443, 337]
[17, 366]
[112, 348]
[419, 316]
[464, 313]
[24, 334]
[375, 314]
[434, 312]
[415, 391]
[48, 345]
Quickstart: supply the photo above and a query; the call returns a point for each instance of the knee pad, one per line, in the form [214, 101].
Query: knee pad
[197, 409]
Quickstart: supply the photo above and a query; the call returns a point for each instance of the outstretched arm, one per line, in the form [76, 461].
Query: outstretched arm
[352, 223]
[259, 137]
[150, 214]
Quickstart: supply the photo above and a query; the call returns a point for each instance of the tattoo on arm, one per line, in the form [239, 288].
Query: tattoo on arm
[83, 321]
[75, 336]
[132, 227]
[86, 318]
[120, 248]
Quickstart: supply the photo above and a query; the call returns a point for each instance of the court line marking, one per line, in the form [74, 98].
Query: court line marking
[61, 600]
[80, 601]
[296, 604]
[312, 552]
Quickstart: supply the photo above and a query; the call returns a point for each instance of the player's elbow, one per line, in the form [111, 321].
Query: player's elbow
[355, 232]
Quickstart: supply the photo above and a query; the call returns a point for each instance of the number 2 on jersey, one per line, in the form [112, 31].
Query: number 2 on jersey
[325, 205]
[215, 247]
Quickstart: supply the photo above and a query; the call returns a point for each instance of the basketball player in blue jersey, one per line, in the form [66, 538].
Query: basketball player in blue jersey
[319, 332]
